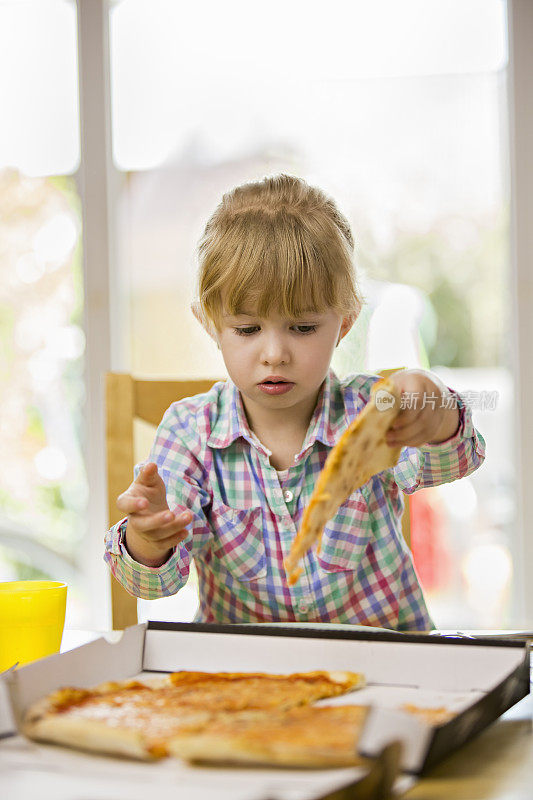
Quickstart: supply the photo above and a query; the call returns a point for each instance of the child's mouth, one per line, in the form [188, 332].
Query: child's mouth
[276, 387]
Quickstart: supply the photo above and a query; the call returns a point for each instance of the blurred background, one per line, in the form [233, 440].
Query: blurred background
[397, 108]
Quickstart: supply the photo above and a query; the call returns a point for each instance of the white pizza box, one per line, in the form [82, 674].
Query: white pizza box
[478, 680]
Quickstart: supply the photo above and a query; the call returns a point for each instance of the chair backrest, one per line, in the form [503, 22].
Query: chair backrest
[129, 399]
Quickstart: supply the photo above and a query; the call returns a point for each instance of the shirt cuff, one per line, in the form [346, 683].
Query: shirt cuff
[465, 430]
[118, 548]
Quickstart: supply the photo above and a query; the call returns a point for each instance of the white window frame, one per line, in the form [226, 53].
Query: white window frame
[98, 184]
[520, 95]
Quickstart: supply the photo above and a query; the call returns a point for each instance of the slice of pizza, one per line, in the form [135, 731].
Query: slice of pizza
[307, 736]
[360, 453]
[234, 691]
[136, 719]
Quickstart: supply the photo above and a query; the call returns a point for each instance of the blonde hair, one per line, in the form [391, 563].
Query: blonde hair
[277, 244]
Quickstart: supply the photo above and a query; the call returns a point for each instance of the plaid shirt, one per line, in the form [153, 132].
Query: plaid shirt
[246, 516]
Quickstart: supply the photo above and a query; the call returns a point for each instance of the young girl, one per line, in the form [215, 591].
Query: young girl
[232, 470]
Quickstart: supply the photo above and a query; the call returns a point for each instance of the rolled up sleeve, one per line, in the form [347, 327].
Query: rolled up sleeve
[173, 452]
[434, 464]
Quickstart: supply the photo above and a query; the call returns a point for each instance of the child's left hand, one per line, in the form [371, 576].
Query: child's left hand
[427, 417]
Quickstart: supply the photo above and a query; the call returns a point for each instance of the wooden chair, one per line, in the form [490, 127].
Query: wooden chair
[129, 399]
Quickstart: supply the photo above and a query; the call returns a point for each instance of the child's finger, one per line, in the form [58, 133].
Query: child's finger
[163, 524]
[151, 523]
[148, 475]
[174, 539]
[129, 503]
[405, 419]
[173, 526]
[412, 434]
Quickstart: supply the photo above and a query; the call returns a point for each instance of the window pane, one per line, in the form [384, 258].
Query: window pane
[43, 491]
[409, 135]
[39, 133]
[228, 70]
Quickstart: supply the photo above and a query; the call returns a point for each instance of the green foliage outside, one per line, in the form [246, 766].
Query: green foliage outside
[40, 302]
[462, 267]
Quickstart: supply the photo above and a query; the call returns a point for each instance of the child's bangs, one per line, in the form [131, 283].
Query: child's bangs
[276, 268]
[271, 290]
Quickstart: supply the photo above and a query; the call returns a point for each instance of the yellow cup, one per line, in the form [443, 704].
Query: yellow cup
[32, 617]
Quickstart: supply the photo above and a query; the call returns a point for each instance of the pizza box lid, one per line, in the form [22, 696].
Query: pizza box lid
[477, 679]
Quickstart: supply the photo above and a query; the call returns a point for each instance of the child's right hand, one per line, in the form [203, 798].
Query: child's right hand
[153, 530]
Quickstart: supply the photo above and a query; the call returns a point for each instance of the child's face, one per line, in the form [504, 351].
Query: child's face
[279, 363]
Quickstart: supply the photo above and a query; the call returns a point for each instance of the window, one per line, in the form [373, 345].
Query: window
[408, 133]
[404, 123]
[43, 488]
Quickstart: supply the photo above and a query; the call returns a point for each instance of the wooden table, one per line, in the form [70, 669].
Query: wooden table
[496, 764]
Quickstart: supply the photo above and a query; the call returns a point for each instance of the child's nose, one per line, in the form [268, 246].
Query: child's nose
[275, 350]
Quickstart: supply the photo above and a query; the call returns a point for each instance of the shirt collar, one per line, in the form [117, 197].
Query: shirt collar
[327, 423]
[231, 422]
[323, 427]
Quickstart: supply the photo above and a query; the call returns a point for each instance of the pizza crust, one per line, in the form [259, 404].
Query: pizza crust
[90, 735]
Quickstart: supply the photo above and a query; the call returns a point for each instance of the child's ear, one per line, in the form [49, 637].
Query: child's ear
[346, 324]
[205, 323]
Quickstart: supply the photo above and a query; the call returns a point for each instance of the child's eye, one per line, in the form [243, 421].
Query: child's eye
[247, 331]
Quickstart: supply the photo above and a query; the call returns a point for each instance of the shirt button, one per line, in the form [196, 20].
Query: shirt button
[288, 495]
[303, 607]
